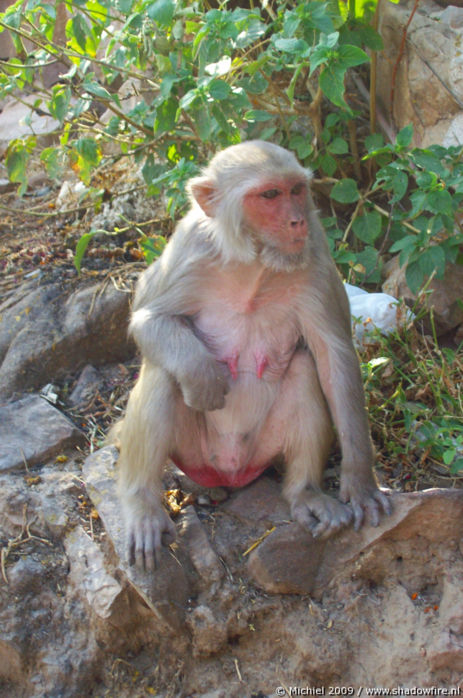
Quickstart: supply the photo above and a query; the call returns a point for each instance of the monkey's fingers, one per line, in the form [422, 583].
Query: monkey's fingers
[385, 501]
[333, 521]
[131, 549]
[374, 505]
[358, 514]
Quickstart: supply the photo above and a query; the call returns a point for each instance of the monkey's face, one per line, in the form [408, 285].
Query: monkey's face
[276, 212]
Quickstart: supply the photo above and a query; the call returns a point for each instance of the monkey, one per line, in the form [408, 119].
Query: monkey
[244, 329]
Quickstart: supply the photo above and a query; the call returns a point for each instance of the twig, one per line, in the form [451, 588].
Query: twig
[23, 537]
[399, 58]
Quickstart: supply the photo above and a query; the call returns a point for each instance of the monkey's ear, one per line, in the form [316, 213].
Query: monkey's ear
[204, 193]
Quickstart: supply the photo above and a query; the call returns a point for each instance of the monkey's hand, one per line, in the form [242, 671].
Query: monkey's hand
[363, 494]
[321, 514]
[205, 387]
[148, 527]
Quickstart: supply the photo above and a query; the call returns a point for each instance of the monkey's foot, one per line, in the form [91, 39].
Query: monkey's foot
[321, 514]
[146, 531]
[365, 499]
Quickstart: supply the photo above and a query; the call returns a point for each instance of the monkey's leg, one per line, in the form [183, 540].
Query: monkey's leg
[307, 441]
[145, 443]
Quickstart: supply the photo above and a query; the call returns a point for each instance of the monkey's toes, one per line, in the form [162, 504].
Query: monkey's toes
[373, 506]
[322, 515]
[146, 539]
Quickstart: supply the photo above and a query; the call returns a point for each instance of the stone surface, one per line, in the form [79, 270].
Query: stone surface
[384, 608]
[260, 501]
[445, 299]
[203, 557]
[428, 87]
[88, 572]
[166, 589]
[43, 335]
[289, 560]
[89, 381]
[32, 430]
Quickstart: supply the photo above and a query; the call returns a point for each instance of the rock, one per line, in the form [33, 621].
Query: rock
[445, 299]
[22, 309]
[290, 561]
[446, 652]
[204, 559]
[287, 561]
[70, 194]
[10, 664]
[32, 430]
[166, 590]
[89, 381]
[88, 572]
[42, 338]
[259, 501]
[14, 123]
[428, 89]
[209, 633]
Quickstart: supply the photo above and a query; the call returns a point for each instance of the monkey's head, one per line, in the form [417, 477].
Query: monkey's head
[257, 199]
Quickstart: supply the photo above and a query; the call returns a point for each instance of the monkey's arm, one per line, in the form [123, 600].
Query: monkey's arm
[162, 325]
[328, 334]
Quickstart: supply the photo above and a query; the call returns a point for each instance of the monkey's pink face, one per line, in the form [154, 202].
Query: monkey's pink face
[277, 212]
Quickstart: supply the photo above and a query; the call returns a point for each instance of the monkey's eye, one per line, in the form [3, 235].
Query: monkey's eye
[298, 188]
[270, 194]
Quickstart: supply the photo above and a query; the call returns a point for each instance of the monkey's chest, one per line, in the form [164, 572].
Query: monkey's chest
[258, 343]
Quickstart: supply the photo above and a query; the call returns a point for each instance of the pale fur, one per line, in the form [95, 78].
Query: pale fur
[217, 288]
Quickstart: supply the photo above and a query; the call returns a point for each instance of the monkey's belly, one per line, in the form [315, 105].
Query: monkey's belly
[208, 476]
[232, 446]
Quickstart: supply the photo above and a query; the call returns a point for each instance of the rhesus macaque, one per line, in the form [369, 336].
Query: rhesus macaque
[245, 332]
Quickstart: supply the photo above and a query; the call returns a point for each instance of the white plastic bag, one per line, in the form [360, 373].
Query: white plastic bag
[369, 310]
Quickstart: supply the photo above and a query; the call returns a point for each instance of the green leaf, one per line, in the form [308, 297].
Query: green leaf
[409, 242]
[59, 103]
[429, 161]
[414, 276]
[301, 144]
[219, 89]
[436, 260]
[439, 201]
[257, 115]
[17, 158]
[52, 158]
[168, 81]
[374, 141]
[368, 227]
[404, 137]
[368, 258]
[294, 46]
[350, 56]
[152, 247]
[328, 164]
[161, 11]
[331, 82]
[88, 149]
[80, 30]
[94, 88]
[338, 146]
[345, 191]
[399, 186]
[320, 54]
[124, 6]
[457, 466]
[81, 246]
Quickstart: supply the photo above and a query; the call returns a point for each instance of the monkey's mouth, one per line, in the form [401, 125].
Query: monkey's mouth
[298, 242]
